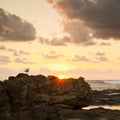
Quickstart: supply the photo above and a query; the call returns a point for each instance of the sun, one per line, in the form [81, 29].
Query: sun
[61, 77]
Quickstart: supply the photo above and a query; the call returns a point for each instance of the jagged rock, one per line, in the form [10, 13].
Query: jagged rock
[106, 97]
[38, 97]
[24, 93]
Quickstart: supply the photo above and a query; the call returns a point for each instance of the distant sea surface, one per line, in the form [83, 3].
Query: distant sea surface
[104, 84]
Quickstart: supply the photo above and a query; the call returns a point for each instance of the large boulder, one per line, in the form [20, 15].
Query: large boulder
[25, 93]
[75, 93]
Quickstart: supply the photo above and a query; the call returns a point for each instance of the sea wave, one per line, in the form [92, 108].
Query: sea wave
[104, 84]
[113, 82]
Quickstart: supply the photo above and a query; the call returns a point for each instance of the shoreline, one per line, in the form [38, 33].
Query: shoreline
[110, 107]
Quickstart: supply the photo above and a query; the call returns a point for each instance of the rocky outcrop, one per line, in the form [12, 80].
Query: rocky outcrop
[38, 97]
[23, 95]
[106, 97]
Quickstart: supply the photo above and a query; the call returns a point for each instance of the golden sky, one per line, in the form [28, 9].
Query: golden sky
[67, 38]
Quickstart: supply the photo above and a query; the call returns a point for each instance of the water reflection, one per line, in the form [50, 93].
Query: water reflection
[103, 106]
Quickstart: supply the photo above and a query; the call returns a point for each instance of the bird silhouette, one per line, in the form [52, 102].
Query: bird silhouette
[27, 70]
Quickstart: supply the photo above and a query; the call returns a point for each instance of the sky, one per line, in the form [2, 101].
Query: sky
[66, 38]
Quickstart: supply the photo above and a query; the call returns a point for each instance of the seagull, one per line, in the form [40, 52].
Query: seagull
[27, 70]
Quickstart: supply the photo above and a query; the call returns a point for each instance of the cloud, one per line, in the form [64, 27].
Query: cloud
[2, 47]
[99, 57]
[105, 44]
[13, 28]
[15, 52]
[100, 53]
[78, 58]
[102, 58]
[100, 16]
[4, 59]
[23, 61]
[55, 41]
[52, 55]
[23, 52]
[79, 34]
[76, 34]
[18, 53]
[11, 50]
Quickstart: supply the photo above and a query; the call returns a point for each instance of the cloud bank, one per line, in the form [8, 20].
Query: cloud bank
[52, 55]
[23, 61]
[100, 17]
[55, 41]
[78, 58]
[14, 28]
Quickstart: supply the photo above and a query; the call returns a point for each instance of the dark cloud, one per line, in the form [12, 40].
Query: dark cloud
[102, 17]
[52, 55]
[4, 59]
[55, 41]
[2, 47]
[23, 61]
[79, 34]
[76, 34]
[78, 58]
[14, 28]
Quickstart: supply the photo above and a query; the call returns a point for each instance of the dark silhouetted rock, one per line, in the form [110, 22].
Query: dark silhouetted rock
[4, 103]
[106, 97]
[38, 97]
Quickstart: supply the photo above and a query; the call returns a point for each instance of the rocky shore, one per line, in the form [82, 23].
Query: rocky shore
[106, 97]
[38, 97]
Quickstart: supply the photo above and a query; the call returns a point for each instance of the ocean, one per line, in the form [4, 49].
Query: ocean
[104, 84]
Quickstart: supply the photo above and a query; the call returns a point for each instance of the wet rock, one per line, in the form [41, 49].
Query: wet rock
[106, 97]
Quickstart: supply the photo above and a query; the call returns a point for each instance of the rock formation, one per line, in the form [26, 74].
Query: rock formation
[106, 97]
[24, 92]
[38, 97]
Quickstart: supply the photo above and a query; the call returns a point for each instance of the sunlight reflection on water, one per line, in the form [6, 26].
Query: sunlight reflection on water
[103, 106]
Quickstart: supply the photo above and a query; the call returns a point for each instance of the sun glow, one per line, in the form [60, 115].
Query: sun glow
[61, 76]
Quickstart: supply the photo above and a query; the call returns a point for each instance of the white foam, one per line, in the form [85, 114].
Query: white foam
[113, 82]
